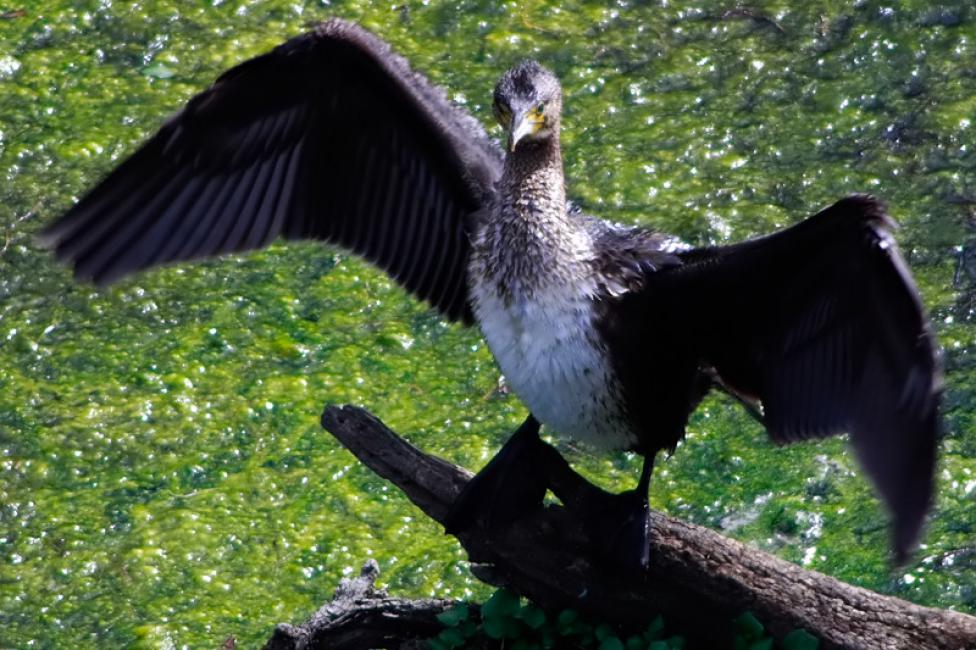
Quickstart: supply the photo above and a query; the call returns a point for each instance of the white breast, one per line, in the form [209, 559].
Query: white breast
[546, 348]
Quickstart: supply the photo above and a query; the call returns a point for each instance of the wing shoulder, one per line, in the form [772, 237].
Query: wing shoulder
[625, 256]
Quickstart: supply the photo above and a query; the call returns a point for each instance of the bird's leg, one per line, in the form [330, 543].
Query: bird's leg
[509, 486]
[619, 525]
[514, 483]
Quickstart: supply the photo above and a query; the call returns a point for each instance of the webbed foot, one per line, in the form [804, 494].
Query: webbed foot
[507, 488]
[618, 525]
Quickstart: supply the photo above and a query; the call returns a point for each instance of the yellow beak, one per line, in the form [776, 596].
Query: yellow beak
[524, 123]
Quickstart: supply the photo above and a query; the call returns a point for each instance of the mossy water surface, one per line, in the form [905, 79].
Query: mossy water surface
[163, 477]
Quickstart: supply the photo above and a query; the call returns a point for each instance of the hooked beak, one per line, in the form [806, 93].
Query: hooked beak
[523, 123]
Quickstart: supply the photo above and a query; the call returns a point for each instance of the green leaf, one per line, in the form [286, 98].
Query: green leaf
[504, 627]
[494, 628]
[654, 630]
[455, 615]
[437, 644]
[452, 636]
[533, 616]
[603, 631]
[676, 643]
[635, 643]
[567, 617]
[502, 603]
[763, 644]
[468, 628]
[610, 643]
[513, 629]
[659, 645]
[800, 639]
[748, 627]
[567, 622]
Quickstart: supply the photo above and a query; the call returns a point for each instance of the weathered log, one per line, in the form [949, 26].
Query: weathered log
[698, 579]
[360, 616]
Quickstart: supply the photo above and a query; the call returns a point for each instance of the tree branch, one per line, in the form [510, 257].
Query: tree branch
[361, 616]
[696, 574]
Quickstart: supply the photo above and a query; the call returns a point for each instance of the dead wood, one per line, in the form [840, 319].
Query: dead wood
[698, 579]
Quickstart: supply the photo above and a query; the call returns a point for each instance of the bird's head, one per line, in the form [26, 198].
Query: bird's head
[527, 104]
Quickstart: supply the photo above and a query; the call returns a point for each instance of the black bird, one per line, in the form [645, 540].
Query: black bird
[606, 333]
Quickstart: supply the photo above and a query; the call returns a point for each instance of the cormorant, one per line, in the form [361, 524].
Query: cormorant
[606, 333]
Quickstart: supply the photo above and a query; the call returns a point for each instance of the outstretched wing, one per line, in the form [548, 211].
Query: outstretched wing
[823, 324]
[330, 136]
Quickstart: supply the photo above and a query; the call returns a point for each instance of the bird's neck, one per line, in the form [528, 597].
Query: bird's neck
[532, 182]
[531, 244]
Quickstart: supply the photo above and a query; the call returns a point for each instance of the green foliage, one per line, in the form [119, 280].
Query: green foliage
[799, 640]
[517, 623]
[748, 630]
[750, 635]
[456, 615]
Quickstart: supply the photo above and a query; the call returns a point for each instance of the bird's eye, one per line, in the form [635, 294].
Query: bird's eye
[541, 108]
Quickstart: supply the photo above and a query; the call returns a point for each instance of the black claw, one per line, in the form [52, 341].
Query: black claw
[619, 526]
[509, 487]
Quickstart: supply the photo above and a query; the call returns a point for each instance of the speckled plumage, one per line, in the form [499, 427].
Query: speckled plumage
[533, 283]
[542, 275]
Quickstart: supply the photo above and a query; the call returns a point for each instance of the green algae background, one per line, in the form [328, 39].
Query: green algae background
[164, 481]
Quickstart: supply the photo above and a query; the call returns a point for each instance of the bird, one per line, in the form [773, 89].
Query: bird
[608, 334]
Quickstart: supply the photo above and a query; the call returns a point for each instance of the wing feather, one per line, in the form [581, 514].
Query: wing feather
[330, 136]
[823, 323]
[194, 246]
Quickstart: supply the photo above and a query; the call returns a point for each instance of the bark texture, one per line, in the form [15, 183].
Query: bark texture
[359, 616]
[696, 575]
